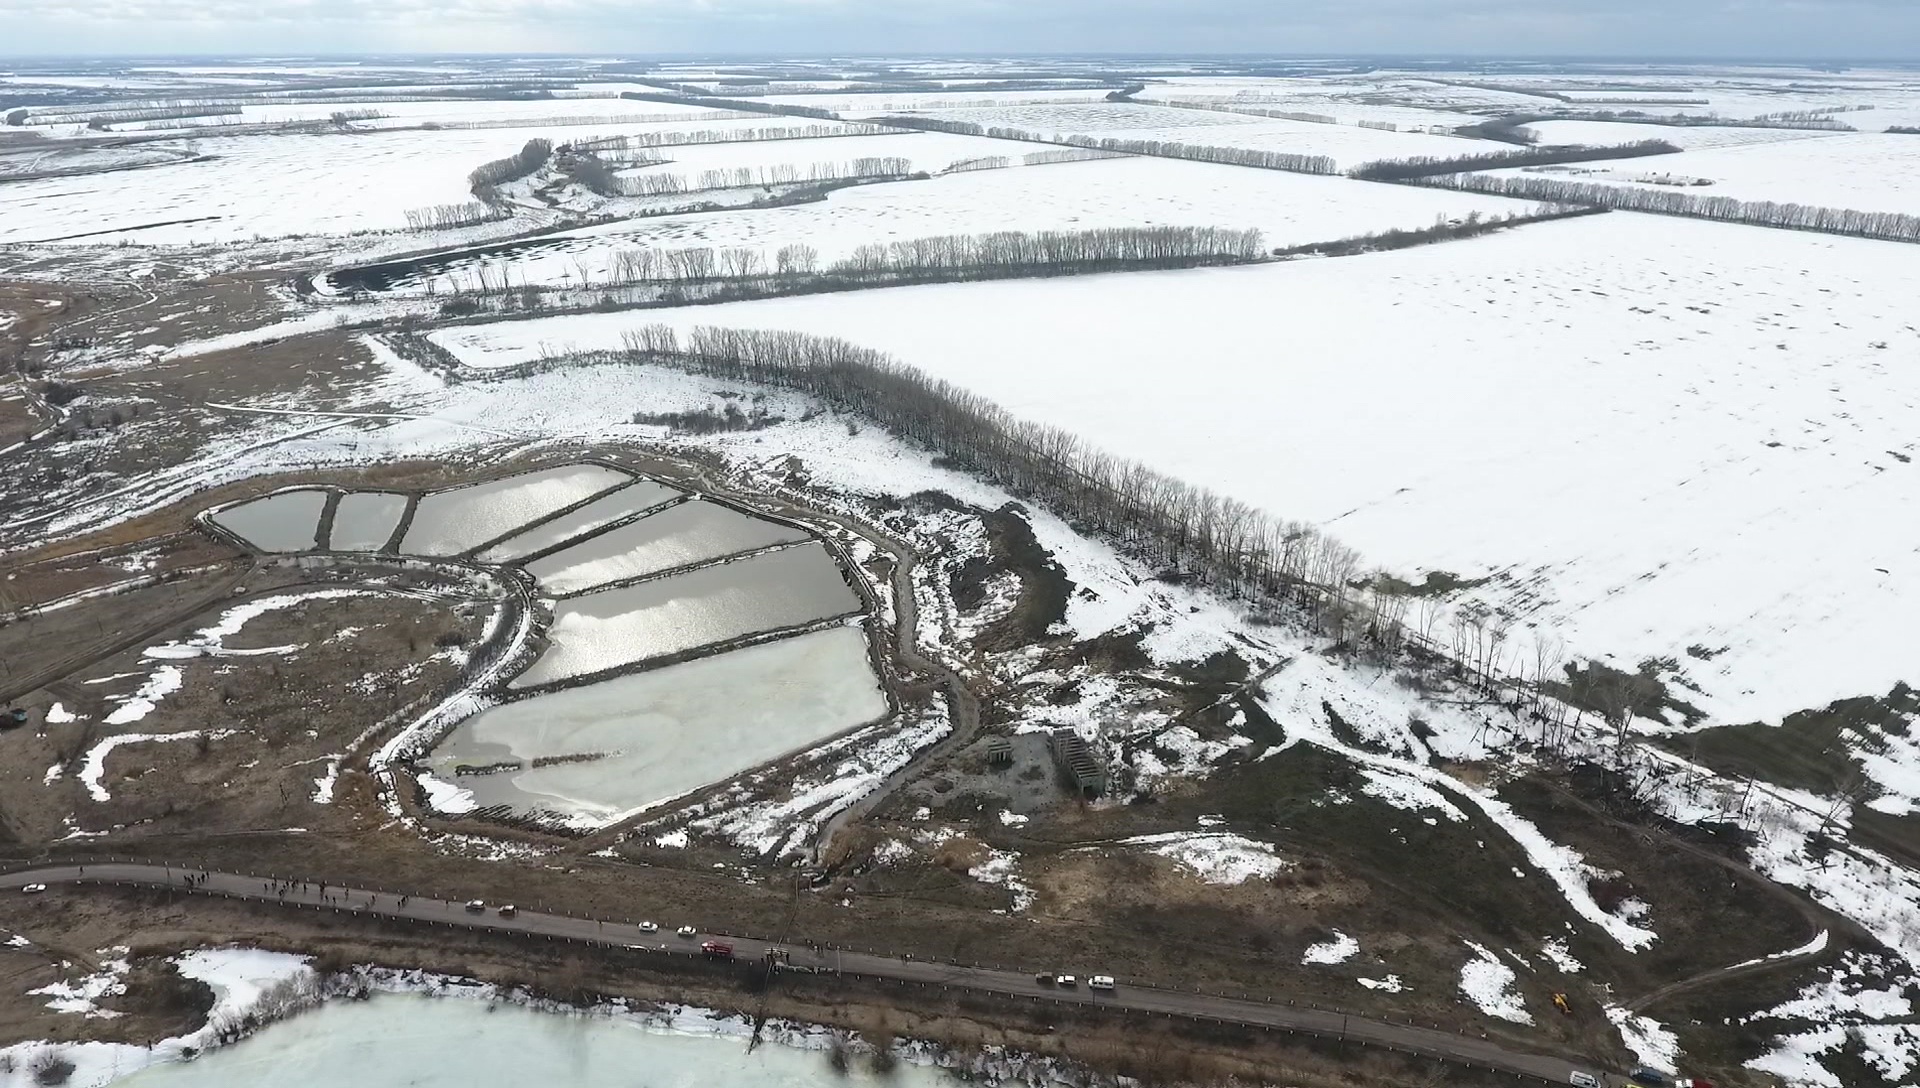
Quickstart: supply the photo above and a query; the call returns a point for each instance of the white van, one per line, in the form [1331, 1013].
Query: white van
[1584, 1080]
[1100, 982]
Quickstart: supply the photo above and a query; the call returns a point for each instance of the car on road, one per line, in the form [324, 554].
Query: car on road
[685, 931]
[508, 910]
[1650, 1078]
[719, 950]
[34, 889]
[1100, 982]
[1044, 978]
[1584, 1080]
[1066, 980]
[649, 927]
[476, 906]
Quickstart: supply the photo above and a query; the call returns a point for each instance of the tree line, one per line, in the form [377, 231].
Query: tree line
[954, 256]
[1885, 226]
[446, 216]
[1472, 226]
[490, 175]
[1173, 525]
[1427, 166]
[695, 96]
[1165, 149]
[731, 136]
[751, 177]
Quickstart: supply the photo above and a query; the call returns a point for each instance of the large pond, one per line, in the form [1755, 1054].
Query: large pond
[452, 522]
[408, 1041]
[287, 522]
[616, 627]
[601, 512]
[681, 536]
[364, 521]
[592, 754]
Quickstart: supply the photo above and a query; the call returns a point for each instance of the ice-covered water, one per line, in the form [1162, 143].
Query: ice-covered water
[681, 612]
[286, 522]
[451, 522]
[693, 532]
[412, 1041]
[660, 734]
[602, 511]
[365, 520]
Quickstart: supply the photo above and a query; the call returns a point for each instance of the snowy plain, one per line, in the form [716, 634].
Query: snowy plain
[1643, 428]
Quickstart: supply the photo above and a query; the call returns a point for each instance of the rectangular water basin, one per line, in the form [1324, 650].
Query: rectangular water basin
[365, 520]
[452, 522]
[602, 511]
[286, 522]
[591, 755]
[630, 624]
[693, 532]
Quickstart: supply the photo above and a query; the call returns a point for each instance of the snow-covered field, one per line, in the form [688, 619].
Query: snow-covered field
[1871, 172]
[1348, 145]
[1288, 208]
[1646, 428]
[1686, 137]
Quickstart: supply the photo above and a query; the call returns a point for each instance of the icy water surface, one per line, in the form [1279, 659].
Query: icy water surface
[365, 520]
[682, 612]
[451, 522]
[409, 1041]
[602, 511]
[628, 743]
[287, 522]
[693, 532]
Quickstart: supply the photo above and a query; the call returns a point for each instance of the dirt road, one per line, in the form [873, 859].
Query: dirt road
[535, 924]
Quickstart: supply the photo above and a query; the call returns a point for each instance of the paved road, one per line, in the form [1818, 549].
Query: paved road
[536, 924]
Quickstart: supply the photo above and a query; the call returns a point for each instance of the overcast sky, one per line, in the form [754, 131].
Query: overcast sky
[1730, 28]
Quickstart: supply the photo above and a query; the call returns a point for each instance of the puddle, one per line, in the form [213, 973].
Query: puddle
[365, 520]
[452, 522]
[693, 532]
[286, 522]
[682, 612]
[602, 511]
[591, 755]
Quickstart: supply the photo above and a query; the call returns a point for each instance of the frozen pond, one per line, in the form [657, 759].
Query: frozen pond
[657, 735]
[287, 522]
[365, 520]
[681, 612]
[409, 1041]
[693, 532]
[451, 522]
[602, 511]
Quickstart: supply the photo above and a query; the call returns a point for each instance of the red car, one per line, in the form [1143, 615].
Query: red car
[719, 950]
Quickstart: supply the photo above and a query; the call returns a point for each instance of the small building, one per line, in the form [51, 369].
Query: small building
[1079, 765]
[999, 751]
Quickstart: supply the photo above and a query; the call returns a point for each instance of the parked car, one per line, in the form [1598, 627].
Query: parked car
[34, 889]
[476, 906]
[649, 927]
[685, 931]
[1584, 1080]
[1650, 1078]
[1100, 982]
[508, 910]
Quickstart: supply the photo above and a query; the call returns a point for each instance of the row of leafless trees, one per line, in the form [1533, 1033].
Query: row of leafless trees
[952, 257]
[683, 137]
[1076, 250]
[1444, 230]
[488, 176]
[567, 119]
[753, 177]
[447, 216]
[695, 96]
[1168, 522]
[1703, 120]
[347, 117]
[1427, 166]
[1886, 226]
[1032, 158]
[1166, 149]
[1219, 106]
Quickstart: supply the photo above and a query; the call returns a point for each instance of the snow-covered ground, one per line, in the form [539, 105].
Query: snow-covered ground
[1288, 209]
[1215, 857]
[1645, 429]
[1487, 981]
[1686, 137]
[1871, 172]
